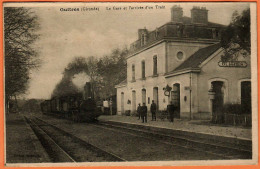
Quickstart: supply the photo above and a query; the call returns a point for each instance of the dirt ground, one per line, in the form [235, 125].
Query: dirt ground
[22, 146]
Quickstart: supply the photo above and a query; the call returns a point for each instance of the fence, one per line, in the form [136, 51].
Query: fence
[233, 119]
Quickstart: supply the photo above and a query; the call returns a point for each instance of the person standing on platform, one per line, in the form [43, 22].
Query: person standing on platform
[144, 113]
[139, 109]
[153, 110]
[170, 109]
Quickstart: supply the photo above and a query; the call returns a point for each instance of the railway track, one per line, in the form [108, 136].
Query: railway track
[207, 147]
[220, 149]
[62, 146]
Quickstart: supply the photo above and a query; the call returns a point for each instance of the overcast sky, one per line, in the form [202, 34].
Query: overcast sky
[65, 35]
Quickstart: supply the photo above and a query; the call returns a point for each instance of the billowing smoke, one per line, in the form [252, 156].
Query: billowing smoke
[74, 78]
[79, 80]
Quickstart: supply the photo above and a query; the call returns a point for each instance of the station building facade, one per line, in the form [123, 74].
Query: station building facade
[183, 56]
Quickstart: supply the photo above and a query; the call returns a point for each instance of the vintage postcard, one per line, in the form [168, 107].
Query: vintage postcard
[130, 84]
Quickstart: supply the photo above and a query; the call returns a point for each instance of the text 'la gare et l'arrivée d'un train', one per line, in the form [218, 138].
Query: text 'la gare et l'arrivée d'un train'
[114, 8]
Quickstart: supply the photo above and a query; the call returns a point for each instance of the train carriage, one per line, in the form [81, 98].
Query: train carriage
[78, 107]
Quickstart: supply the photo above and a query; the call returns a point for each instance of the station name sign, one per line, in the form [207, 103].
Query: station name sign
[239, 64]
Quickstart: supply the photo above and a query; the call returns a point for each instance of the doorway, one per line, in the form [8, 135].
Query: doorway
[143, 96]
[133, 101]
[176, 99]
[246, 97]
[156, 97]
[218, 102]
[122, 103]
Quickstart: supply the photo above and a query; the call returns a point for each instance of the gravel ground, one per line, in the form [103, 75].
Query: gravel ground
[185, 125]
[129, 147]
[22, 146]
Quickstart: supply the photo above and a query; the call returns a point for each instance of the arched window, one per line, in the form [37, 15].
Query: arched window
[133, 72]
[143, 69]
[155, 65]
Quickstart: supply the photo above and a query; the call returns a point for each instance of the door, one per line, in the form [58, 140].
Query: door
[133, 101]
[156, 97]
[122, 103]
[143, 96]
[218, 102]
[176, 99]
[246, 97]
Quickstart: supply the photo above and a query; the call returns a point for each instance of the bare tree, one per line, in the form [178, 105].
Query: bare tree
[20, 25]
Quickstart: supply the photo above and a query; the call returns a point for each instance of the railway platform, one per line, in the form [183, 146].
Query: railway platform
[22, 144]
[191, 126]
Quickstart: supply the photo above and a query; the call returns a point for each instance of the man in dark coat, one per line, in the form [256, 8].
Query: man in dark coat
[144, 113]
[153, 111]
[170, 109]
[139, 109]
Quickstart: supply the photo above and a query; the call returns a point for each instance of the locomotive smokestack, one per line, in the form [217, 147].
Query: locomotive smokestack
[88, 92]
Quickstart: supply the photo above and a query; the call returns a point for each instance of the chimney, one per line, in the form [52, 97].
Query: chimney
[199, 15]
[177, 14]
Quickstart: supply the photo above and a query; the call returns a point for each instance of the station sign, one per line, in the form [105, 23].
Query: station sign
[238, 64]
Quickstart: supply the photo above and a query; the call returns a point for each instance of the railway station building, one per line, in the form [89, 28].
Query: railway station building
[180, 61]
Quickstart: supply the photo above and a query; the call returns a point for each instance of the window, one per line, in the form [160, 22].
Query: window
[156, 33]
[155, 65]
[143, 69]
[133, 72]
[142, 40]
[143, 96]
[180, 55]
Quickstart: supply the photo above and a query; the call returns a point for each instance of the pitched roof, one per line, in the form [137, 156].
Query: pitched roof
[198, 57]
[124, 82]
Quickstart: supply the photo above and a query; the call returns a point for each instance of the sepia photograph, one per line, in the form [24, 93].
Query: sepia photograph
[130, 83]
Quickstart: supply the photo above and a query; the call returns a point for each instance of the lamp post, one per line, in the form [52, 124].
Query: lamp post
[167, 90]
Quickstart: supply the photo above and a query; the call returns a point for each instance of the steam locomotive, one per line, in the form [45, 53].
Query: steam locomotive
[78, 107]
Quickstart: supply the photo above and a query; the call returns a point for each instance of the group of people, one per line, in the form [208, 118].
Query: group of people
[142, 111]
